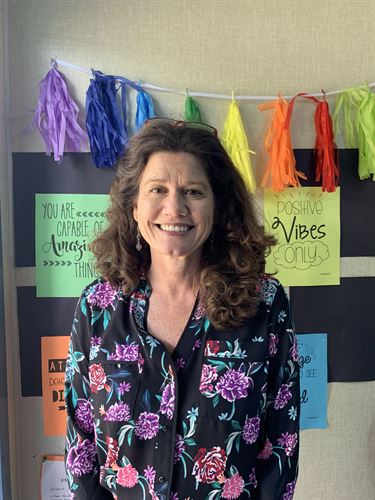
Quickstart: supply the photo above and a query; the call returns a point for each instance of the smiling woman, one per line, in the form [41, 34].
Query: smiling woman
[182, 378]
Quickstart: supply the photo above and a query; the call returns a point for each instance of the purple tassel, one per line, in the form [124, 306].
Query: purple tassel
[56, 117]
[145, 108]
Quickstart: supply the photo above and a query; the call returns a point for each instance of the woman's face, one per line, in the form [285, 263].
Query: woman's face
[175, 205]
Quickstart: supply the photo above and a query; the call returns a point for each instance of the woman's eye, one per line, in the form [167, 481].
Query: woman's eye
[193, 192]
[157, 190]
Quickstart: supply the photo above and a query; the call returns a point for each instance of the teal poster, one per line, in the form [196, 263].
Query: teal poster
[312, 351]
[65, 224]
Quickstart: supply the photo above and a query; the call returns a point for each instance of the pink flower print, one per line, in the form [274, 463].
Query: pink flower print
[102, 295]
[147, 425]
[289, 442]
[250, 430]
[282, 397]
[233, 385]
[127, 476]
[272, 345]
[208, 376]
[294, 349]
[233, 487]
[266, 452]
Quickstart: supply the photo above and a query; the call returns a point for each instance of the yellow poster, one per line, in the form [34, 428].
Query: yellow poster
[306, 223]
[54, 354]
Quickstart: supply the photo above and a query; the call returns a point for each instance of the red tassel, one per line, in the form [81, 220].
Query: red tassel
[326, 164]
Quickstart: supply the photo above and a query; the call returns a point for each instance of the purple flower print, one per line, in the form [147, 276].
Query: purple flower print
[101, 295]
[118, 412]
[199, 312]
[197, 344]
[95, 341]
[289, 491]
[124, 387]
[266, 452]
[167, 401]
[125, 352]
[252, 478]
[81, 458]
[233, 385]
[250, 430]
[179, 448]
[272, 346]
[174, 496]
[294, 348]
[179, 363]
[289, 442]
[150, 474]
[282, 397]
[147, 425]
[83, 416]
[208, 375]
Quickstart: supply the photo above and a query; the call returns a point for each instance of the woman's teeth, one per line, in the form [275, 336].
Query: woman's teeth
[176, 229]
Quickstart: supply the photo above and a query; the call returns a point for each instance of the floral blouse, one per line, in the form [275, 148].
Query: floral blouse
[216, 419]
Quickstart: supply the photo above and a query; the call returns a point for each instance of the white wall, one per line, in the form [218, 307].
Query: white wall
[251, 47]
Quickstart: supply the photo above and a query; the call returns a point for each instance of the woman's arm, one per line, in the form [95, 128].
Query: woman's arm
[81, 459]
[277, 463]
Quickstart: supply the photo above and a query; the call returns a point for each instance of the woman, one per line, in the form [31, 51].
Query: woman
[182, 374]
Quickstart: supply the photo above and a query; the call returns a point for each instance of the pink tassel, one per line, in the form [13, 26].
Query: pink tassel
[56, 117]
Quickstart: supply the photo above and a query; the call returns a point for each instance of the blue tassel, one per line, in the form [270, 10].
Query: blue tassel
[105, 122]
[145, 108]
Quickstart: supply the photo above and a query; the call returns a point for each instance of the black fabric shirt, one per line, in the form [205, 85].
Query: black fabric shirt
[216, 419]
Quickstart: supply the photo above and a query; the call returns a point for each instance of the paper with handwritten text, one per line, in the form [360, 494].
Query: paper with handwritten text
[306, 223]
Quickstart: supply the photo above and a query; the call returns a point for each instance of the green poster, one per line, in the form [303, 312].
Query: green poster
[306, 223]
[65, 224]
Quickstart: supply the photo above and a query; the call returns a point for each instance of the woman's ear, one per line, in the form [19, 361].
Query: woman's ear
[135, 212]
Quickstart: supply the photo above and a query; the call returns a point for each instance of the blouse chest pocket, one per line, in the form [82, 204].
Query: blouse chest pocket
[114, 387]
[233, 379]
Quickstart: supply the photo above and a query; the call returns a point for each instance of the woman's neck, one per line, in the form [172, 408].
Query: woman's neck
[173, 277]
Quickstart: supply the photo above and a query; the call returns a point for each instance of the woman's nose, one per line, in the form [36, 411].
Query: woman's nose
[175, 205]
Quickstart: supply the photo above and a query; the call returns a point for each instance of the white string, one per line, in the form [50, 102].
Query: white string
[210, 95]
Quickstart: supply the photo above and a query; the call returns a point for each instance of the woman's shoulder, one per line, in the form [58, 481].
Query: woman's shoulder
[101, 294]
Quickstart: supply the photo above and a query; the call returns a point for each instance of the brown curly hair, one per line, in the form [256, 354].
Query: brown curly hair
[234, 256]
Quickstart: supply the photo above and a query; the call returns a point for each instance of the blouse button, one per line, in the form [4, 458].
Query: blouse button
[164, 428]
[161, 479]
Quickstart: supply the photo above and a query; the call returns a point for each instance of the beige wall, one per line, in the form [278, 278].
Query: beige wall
[251, 47]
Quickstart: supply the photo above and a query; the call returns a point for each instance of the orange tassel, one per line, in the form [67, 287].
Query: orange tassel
[281, 165]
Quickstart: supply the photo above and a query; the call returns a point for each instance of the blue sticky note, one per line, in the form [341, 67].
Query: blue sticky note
[312, 350]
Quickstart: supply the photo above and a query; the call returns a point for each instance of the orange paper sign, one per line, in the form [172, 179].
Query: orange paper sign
[54, 353]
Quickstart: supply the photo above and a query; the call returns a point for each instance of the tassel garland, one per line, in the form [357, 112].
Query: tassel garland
[192, 112]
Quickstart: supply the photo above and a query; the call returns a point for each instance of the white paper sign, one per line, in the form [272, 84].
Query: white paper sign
[54, 485]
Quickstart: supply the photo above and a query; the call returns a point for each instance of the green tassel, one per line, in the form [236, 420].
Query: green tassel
[192, 113]
[357, 107]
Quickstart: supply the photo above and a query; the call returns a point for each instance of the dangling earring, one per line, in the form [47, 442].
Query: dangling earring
[138, 245]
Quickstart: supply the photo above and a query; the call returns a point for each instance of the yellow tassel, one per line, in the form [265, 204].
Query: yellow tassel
[235, 143]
